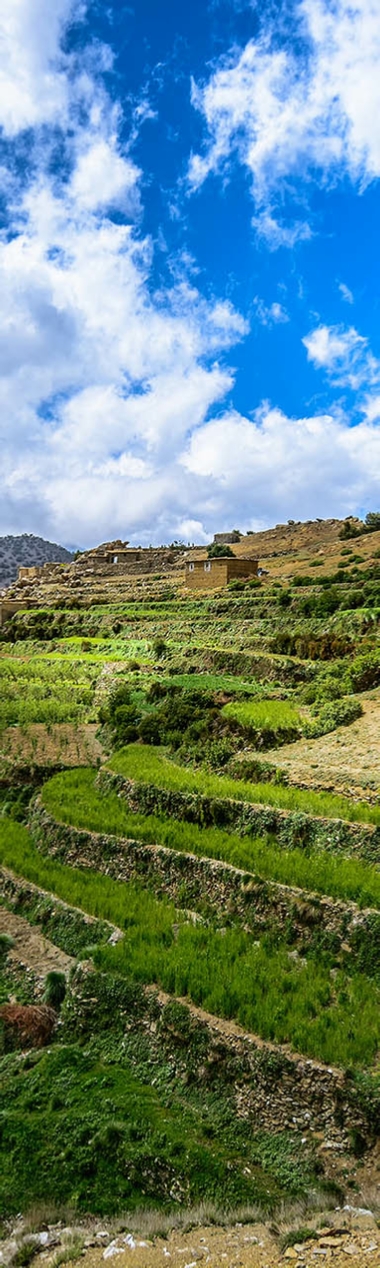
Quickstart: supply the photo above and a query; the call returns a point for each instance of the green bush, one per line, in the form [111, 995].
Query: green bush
[218, 551]
[334, 713]
[364, 672]
[54, 989]
[6, 944]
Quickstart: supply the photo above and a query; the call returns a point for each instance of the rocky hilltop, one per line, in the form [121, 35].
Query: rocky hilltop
[27, 550]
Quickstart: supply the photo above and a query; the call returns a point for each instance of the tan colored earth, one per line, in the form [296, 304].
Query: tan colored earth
[347, 760]
[340, 1241]
[71, 744]
[30, 948]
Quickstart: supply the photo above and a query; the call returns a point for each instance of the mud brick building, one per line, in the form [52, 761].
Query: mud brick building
[210, 574]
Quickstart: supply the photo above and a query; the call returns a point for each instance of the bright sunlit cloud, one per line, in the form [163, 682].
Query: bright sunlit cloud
[140, 329]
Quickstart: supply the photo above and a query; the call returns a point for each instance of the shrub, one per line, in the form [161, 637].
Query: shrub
[372, 521]
[55, 989]
[6, 944]
[331, 715]
[218, 551]
[364, 672]
[159, 648]
[149, 729]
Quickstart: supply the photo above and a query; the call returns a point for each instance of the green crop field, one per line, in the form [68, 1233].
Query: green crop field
[331, 1017]
[73, 798]
[151, 765]
[271, 715]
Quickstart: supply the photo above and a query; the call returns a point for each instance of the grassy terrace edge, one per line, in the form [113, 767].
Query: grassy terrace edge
[334, 1018]
[73, 798]
[151, 765]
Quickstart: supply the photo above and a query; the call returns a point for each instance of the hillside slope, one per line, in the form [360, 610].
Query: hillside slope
[27, 550]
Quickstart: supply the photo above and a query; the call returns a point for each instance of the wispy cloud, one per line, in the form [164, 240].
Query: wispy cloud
[309, 109]
[270, 314]
[344, 354]
[346, 293]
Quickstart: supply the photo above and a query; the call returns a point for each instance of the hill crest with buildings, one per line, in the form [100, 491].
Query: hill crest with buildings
[115, 571]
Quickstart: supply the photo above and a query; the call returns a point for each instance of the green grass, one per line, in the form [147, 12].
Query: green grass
[152, 766]
[215, 682]
[35, 690]
[71, 797]
[333, 1017]
[264, 715]
[79, 1129]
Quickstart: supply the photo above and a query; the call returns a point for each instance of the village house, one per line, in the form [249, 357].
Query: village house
[210, 574]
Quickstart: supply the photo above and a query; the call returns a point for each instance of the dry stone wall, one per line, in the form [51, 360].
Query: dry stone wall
[270, 1087]
[215, 888]
[291, 828]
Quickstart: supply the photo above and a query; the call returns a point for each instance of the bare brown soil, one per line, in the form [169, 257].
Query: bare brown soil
[347, 760]
[30, 949]
[61, 742]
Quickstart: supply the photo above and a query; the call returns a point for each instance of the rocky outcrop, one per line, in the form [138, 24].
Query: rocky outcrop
[27, 551]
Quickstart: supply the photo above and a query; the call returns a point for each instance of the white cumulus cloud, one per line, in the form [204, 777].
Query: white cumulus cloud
[101, 379]
[107, 385]
[344, 354]
[274, 467]
[296, 109]
[33, 82]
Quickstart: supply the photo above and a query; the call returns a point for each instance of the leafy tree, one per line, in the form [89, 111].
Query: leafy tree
[219, 551]
[372, 521]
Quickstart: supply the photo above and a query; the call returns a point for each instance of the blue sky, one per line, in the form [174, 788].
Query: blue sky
[189, 301]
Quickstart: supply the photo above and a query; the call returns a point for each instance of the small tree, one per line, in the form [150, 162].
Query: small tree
[218, 551]
[372, 521]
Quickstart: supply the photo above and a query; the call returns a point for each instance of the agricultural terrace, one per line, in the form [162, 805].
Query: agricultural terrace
[172, 729]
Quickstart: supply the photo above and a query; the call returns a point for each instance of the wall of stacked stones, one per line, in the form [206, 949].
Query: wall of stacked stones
[271, 1088]
[290, 828]
[217, 889]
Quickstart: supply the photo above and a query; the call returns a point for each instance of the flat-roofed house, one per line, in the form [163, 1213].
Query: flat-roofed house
[210, 574]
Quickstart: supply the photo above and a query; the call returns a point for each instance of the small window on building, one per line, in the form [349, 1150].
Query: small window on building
[191, 567]
[115, 559]
[207, 567]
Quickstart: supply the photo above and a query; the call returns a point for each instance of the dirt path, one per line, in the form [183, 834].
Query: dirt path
[31, 948]
[347, 760]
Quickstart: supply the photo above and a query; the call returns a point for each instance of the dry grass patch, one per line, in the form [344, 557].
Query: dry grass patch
[44, 745]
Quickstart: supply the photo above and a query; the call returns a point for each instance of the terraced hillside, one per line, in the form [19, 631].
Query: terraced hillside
[190, 831]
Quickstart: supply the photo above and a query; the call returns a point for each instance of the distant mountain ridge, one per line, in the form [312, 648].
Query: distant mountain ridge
[27, 550]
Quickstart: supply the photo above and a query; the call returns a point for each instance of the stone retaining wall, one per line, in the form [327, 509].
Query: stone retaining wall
[68, 928]
[291, 828]
[210, 887]
[270, 1087]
